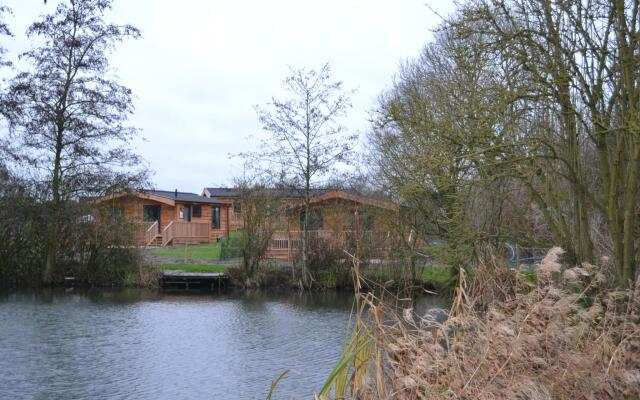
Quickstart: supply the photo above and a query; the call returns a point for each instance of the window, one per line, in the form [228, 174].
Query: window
[237, 208]
[151, 213]
[116, 212]
[315, 219]
[366, 221]
[197, 211]
[215, 218]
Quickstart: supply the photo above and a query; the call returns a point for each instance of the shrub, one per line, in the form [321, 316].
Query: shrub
[503, 338]
[323, 254]
[231, 248]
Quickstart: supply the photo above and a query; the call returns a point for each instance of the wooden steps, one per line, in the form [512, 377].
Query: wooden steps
[156, 241]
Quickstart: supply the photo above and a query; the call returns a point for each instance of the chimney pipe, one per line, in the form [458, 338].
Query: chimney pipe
[176, 194]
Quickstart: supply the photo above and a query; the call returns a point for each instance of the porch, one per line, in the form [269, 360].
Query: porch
[176, 232]
[285, 245]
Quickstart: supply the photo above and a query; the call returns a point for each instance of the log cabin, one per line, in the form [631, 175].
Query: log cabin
[284, 196]
[232, 197]
[172, 217]
[339, 219]
[336, 216]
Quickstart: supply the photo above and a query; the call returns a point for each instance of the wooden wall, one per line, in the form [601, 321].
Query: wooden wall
[338, 215]
[225, 213]
[132, 208]
[207, 212]
[235, 218]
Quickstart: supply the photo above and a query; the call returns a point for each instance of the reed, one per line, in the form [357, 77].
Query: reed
[505, 337]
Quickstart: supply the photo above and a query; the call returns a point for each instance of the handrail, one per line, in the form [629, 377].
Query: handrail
[167, 233]
[151, 233]
[186, 231]
[283, 240]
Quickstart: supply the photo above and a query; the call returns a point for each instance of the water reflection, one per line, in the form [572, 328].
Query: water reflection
[120, 344]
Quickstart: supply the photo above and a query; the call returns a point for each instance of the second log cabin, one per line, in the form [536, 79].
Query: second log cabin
[171, 217]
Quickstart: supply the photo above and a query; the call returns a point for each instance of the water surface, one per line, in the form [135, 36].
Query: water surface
[134, 344]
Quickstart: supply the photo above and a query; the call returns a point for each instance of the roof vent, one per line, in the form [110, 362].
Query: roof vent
[176, 193]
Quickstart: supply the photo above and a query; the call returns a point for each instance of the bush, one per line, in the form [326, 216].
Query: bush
[231, 248]
[23, 238]
[264, 277]
[95, 251]
[323, 254]
[335, 277]
[503, 338]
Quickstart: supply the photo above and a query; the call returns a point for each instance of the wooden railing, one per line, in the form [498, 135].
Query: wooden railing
[142, 230]
[185, 231]
[151, 233]
[291, 241]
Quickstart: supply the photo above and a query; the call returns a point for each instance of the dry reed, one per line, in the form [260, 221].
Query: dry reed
[565, 337]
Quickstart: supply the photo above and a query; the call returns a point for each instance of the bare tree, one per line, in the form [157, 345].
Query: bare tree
[582, 64]
[66, 115]
[4, 31]
[305, 139]
[526, 107]
[259, 213]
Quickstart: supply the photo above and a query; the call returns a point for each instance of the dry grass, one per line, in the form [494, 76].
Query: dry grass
[566, 337]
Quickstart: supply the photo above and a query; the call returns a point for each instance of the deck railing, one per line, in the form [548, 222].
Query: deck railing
[185, 231]
[291, 241]
[142, 231]
[151, 233]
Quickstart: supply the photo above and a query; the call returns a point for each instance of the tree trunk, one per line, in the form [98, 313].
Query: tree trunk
[307, 194]
[305, 236]
[54, 222]
[562, 77]
[626, 263]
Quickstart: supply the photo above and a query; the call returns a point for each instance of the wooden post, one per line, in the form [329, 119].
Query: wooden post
[227, 229]
[186, 245]
[288, 245]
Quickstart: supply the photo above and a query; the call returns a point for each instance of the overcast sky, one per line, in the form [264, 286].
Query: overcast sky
[202, 65]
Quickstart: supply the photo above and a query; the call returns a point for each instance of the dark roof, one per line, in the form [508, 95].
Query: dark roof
[222, 192]
[280, 192]
[184, 196]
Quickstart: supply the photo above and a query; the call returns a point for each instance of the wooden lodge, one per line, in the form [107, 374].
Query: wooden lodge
[340, 219]
[172, 217]
[284, 197]
[336, 216]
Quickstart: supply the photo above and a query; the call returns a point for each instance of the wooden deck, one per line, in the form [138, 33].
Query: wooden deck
[172, 279]
[286, 245]
[175, 232]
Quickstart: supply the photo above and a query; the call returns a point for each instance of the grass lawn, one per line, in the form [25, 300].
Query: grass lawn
[194, 267]
[209, 251]
[206, 251]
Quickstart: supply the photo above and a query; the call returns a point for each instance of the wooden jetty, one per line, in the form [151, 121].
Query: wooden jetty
[187, 280]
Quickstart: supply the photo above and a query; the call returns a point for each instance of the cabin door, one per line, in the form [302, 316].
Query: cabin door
[187, 213]
[151, 213]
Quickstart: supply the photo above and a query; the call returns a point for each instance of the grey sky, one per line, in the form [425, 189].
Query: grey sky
[202, 65]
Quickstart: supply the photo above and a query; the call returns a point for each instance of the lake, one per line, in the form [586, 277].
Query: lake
[137, 344]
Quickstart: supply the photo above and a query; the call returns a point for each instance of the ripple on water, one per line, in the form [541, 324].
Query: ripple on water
[117, 345]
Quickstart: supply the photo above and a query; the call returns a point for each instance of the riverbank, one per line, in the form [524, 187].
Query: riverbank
[435, 279]
[566, 335]
[283, 275]
[134, 267]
